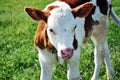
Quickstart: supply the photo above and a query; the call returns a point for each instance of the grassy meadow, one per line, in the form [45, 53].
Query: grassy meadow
[19, 57]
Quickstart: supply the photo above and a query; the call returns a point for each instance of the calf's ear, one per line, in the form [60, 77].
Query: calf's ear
[82, 10]
[37, 14]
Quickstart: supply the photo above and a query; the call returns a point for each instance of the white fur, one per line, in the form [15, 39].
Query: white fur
[62, 22]
[73, 70]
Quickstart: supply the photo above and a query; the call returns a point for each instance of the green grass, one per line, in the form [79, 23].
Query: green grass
[19, 57]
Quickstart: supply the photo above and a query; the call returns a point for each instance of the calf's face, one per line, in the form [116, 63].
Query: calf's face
[61, 31]
[61, 25]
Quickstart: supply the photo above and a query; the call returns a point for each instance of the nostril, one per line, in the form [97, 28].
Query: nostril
[67, 52]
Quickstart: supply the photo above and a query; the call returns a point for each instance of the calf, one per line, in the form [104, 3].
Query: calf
[62, 28]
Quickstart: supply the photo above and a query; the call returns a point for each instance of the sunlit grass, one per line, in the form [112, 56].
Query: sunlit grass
[18, 55]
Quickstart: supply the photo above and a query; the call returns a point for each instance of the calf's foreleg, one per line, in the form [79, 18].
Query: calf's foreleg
[46, 62]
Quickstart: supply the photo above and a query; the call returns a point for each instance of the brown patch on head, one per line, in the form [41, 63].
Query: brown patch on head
[72, 3]
[75, 3]
[51, 8]
[41, 39]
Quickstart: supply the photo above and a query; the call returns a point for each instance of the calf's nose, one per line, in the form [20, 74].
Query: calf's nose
[67, 53]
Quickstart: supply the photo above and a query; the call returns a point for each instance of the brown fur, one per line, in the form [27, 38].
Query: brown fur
[41, 39]
[82, 10]
[37, 14]
[51, 8]
[72, 3]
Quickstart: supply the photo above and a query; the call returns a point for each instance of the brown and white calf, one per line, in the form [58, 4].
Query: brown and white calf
[62, 28]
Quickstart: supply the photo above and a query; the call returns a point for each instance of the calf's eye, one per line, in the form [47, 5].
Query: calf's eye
[52, 31]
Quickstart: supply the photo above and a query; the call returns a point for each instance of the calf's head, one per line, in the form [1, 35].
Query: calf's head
[61, 26]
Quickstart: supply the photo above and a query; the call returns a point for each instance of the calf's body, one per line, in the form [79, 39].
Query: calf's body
[62, 28]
